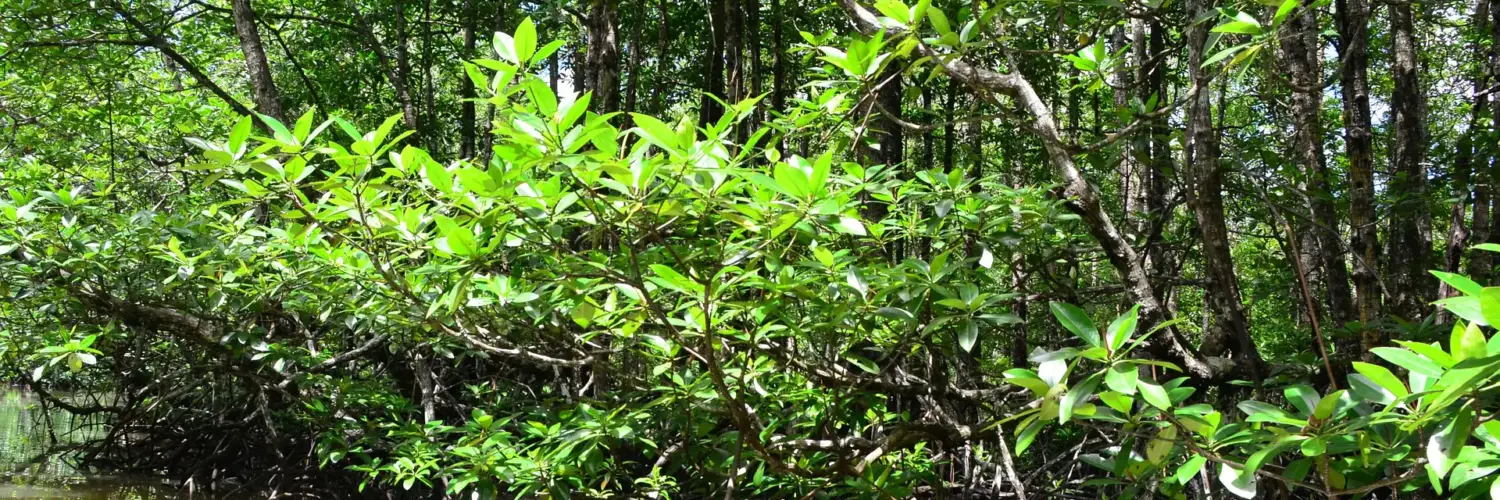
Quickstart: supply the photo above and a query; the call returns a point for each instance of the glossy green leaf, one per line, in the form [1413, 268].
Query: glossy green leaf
[1077, 321]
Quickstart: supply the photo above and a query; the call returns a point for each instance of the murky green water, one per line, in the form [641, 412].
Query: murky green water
[32, 467]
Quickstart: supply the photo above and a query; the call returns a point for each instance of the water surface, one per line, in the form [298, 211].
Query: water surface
[34, 462]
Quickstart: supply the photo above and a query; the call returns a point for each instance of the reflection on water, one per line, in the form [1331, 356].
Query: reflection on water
[32, 467]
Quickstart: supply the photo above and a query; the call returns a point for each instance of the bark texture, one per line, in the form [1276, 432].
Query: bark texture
[262, 87]
[1353, 19]
[1411, 224]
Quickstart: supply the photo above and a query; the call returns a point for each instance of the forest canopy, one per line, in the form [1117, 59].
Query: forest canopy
[672, 249]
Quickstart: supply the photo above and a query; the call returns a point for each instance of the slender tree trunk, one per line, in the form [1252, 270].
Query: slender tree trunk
[734, 63]
[778, 79]
[1158, 205]
[662, 56]
[604, 57]
[1486, 161]
[411, 116]
[948, 138]
[429, 94]
[1480, 154]
[892, 140]
[262, 86]
[1232, 329]
[635, 68]
[709, 110]
[1411, 224]
[1469, 169]
[466, 88]
[752, 52]
[1131, 194]
[927, 134]
[578, 58]
[1302, 56]
[1353, 26]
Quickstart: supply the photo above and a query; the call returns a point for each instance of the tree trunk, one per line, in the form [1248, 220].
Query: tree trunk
[927, 134]
[1411, 224]
[1158, 205]
[1302, 56]
[1486, 163]
[948, 138]
[1232, 329]
[604, 57]
[1082, 198]
[466, 117]
[635, 68]
[1353, 26]
[1131, 194]
[752, 52]
[778, 79]
[262, 87]
[1469, 168]
[709, 109]
[429, 94]
[661, 58]
[403, 81]
[734, 63]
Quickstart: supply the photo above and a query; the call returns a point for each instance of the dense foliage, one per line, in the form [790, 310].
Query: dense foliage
[948, 249]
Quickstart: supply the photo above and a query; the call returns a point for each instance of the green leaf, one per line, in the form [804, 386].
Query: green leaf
[1409, 360]
[1028, 434]
[672, 279]
[894, 9]
[278, 131]
[1489, 304]
[1119, 402]
[1240, 484]
[1457, 281]
[237, 136]
[1327, 405]
[1121, 377]
[438, 175]
[792, 181]
[1444, 447]
[1187, 470]
[968, 334]
[1076, 394]
[1239, 27]
[1303, 397]
[1493, 247]
[525, 41]
[1077, 321]
[1431, 351]
[1155, 395]
[1314, 446]
[459, 239]
[1382, 377]
[505, 48]
[1281, 12]
[895, 313]
[939, 21]
[1223, 54]
[1122, 328]
[1368, 390]
[1161, 445]
[1466, 342]
[1028, 379]
[1268, 452]
[863, 364]
[546, 51]
[851, 225]
[656, 132]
